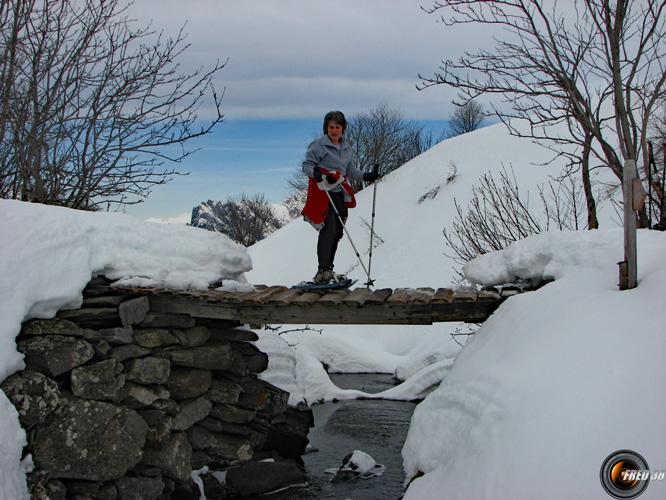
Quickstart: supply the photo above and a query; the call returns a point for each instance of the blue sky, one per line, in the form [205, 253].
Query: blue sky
[251, 156]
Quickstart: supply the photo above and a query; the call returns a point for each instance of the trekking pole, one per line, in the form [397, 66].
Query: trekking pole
[335, 209]
[663, 185]
[375, 170]
[650, 165]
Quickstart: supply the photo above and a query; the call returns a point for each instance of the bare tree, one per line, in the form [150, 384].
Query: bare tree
[656, 171]
[598, 66]
[296, 200]
[92, 104]
[382, 136]
[499, 214]
[245, 219]
[466, 118]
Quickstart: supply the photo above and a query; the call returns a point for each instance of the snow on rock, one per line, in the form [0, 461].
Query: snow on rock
[48, 255]
[357, 465]
[12, 440]
[554, 381]
[53, 252]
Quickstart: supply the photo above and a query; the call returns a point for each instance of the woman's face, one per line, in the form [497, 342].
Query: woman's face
[334, 131]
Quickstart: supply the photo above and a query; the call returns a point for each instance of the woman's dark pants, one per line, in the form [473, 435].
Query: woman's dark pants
[331, 233]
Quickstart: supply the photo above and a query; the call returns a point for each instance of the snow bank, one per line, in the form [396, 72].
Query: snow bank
[299, 361]
[546, 256]
[47, 256]
[554, 381]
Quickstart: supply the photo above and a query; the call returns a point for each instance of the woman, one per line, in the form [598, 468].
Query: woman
[328, 164]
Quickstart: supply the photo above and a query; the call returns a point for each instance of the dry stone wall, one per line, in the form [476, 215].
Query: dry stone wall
[123, 403]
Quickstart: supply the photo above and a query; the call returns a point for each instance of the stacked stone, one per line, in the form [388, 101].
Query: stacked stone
[123, 403]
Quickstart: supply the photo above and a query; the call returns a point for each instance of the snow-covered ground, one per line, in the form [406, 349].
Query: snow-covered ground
[553, 382]
[48, 255]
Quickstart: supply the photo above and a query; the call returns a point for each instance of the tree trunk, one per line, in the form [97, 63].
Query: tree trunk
[592, 220]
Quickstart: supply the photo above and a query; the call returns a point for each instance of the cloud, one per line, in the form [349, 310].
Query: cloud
[299, 58]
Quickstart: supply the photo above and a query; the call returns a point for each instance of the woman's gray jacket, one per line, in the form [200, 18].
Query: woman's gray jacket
[324, 154]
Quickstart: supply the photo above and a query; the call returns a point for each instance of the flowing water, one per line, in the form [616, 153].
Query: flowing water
[376, 427]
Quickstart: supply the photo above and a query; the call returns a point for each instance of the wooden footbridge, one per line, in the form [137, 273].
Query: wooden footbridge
[282, 305]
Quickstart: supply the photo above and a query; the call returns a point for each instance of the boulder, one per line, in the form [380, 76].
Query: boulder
[104, 301]
[139, 488]
[148, 370]
[34, 395]
[223, 447]
[255, 360]
[192, 337]
[142, 396]
[167, 320]
[133, 311]
[232, 414]
[224, 391]
[188, 383]
[212, 356]
[119, 335]
[102, 349]
[160, 426]
[261, 395]
[154, 337]
[101, 381]
[53, 326]
[103, 317]
[89, 489]
[90, 440]
[212, 424]
[124, 352]
[287, 433]
[257, 438]
[54, 355]
[191, 412]
[173, 457]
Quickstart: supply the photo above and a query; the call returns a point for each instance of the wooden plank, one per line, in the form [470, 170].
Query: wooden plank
[231, 297]
[357, 296]
[465, 296]
[488, 295]
[509, 292]
[261, 296]
[377, 314]
[285, 297]
[378, 296]
[306, 298]
[333, 297]
[467, 311]
[194, 307]
[442, 296]
[237, 296]
[422, 295]
[399, 296]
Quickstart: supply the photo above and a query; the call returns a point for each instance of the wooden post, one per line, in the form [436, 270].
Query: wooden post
[628, 267]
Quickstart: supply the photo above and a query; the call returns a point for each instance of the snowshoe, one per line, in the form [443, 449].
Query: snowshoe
[333, 285]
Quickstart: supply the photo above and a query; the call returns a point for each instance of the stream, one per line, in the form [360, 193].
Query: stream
[377, 427]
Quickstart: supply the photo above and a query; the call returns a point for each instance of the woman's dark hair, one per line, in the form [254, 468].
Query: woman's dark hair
[337, 117]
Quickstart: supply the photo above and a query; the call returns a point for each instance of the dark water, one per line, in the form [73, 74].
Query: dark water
[376, 427]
